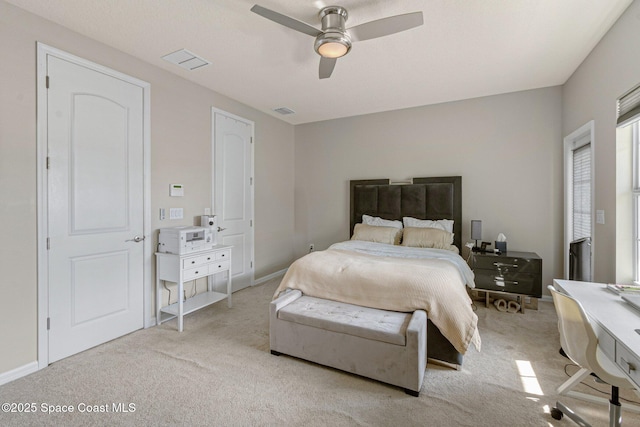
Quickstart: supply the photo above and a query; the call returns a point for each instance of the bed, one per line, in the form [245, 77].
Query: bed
[364, 270]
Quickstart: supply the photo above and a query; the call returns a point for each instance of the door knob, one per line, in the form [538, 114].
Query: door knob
[136, 239]
[221, 229]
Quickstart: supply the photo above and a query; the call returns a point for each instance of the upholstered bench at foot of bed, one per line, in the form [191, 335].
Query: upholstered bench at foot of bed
[383, 345]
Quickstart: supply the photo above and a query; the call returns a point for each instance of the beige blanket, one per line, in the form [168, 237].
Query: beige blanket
[390, 283]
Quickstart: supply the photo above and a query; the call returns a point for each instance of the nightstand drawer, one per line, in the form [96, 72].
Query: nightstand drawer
[514, 282]
[506, 264]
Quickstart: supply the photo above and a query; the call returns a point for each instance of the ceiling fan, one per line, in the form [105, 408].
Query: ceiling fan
[334, 40]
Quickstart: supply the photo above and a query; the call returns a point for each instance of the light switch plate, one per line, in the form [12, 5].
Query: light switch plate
[599, 217]
[176, 213]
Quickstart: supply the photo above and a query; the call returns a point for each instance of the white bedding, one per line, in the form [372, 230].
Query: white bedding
[392, 278]
[382, 249]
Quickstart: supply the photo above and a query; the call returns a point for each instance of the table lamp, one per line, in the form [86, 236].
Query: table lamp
[476, 232]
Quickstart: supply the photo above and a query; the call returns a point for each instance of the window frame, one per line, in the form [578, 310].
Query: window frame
[581, 136]
[635, 194]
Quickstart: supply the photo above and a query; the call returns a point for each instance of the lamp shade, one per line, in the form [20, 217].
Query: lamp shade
[476, 229]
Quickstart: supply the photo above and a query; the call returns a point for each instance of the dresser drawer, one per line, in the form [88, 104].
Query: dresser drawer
[194, 273]
[218, 266]
[226, 254]
[628, 362]
[198, 260]
[518, 283]
[506, 264]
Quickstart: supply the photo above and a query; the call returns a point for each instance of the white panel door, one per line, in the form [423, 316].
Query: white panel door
[95, 207]
[233, 193]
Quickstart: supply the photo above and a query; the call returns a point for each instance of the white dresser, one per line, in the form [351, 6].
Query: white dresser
[183, 268]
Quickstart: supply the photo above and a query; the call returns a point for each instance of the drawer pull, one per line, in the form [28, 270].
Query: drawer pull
[502, 264]
[208, 258]
[501, 282]
[630, 366]
[197, 272]
[222, 256]
[193, 262]
[219, 266]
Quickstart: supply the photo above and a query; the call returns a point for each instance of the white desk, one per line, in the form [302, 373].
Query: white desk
[617, 323]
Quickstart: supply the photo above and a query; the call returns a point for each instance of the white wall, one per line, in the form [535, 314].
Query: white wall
[612, 68]
[507, 148]
[180, 152]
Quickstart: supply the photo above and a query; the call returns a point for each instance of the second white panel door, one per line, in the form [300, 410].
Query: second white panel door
[233, 192]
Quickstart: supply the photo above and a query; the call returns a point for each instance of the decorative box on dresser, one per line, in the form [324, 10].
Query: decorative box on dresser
[515, 274]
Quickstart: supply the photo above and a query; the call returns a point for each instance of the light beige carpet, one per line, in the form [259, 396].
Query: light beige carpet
[219, 372]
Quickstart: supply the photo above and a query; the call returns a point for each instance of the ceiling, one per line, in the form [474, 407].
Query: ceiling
[465, 49]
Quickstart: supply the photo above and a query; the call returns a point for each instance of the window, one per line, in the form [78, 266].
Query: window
[636, 200]
[628, 115]
[581, 191]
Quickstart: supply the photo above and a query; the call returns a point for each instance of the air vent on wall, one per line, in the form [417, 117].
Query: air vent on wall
[186, 59]
[284, 111]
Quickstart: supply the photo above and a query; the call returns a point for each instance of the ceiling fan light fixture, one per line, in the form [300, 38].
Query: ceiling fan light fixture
[332, 45]
[334, 40]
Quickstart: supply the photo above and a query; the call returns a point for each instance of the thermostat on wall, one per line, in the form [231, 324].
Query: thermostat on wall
[177, 190]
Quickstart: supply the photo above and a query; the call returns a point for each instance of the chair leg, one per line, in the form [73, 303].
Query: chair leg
[565, 390]
[615, 414]
[573, 381]
[561, 410]
[615, 411]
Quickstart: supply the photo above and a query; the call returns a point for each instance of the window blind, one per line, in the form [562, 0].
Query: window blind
[629, 106]
[582, 192]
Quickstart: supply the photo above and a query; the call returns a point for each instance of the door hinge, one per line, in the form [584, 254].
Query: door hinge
[251, 264]
[48, 243]
[48, 161]
[48, 323]
[251, 181]
[251, 139]
[250, 223]
[47, 82]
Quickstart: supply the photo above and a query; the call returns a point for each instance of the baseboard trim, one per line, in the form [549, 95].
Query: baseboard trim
[268, 277]
[22, 371]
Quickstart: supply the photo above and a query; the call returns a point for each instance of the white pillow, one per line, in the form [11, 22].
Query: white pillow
[442, 224]
[379, 222]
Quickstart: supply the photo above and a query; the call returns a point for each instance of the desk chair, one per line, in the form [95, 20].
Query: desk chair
[580, 342]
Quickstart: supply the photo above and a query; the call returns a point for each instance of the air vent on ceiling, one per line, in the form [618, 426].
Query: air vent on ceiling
[284, 111]
[186, 59]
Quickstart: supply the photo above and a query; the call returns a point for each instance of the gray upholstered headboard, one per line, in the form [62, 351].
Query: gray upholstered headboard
[426, 198]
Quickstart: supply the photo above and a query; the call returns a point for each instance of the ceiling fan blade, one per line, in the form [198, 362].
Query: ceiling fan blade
[385, 26]
[326, 67]
[287, 21]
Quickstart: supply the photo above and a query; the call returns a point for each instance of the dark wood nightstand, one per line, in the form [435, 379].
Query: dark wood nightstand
[513, 273]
